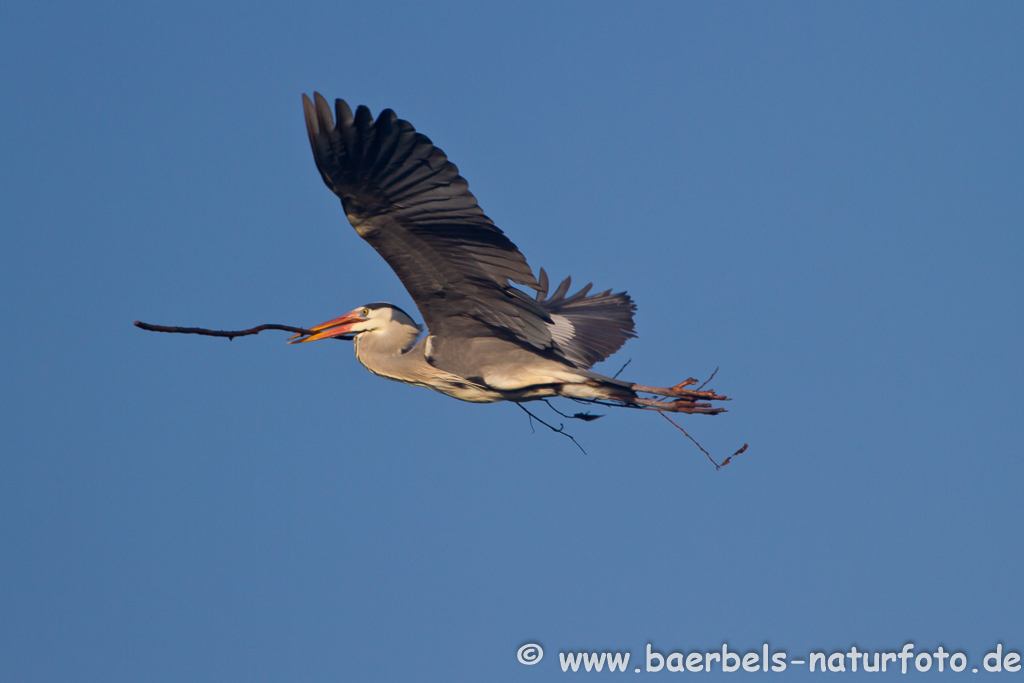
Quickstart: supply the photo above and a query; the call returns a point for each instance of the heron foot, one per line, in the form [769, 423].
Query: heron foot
[679, 392]
[680, 405]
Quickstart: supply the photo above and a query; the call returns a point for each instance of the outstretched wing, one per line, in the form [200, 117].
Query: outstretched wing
[406, 199]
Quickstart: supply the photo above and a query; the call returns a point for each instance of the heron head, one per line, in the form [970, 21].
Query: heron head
[368, 318]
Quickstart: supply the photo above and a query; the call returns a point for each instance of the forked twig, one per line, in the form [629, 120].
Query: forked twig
[559, 430]
[717, 465]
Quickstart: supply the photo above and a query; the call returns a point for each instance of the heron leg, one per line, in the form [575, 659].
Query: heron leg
[680, 405]
[678, 391]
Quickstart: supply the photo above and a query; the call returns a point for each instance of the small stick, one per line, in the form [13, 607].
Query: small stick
[726, 461]
[559, 430]
[717, 466]
[708, 380]
[616, 375]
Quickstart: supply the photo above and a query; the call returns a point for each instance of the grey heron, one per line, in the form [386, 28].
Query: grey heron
[486, 340]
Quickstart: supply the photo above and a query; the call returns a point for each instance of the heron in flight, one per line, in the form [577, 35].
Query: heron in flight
[486, 340]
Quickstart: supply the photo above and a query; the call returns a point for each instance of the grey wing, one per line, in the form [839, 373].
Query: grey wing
[584, 329]
[587, 329]
[406, 199]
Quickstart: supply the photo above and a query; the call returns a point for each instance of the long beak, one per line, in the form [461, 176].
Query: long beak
[332, 328]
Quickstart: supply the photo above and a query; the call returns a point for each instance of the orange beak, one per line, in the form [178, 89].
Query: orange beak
[332, 328]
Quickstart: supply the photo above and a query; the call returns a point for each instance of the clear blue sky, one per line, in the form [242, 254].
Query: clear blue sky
[824, 199]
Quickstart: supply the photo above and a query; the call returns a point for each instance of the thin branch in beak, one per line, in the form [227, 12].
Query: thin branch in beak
[229, 334]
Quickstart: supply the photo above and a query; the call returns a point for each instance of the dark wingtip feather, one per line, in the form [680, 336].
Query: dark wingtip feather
[342, 112]
[363, 119]
[323, 112]
[312, 129]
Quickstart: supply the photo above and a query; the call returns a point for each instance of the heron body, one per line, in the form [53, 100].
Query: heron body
[486, 339]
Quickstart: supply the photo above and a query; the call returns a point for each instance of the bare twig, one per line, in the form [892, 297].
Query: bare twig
[708, 380]
[718, 466]
[559, 430]
[230, 334]
[726, 461]
[616, 375]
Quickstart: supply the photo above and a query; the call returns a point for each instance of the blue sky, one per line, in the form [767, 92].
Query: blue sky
[825, 200]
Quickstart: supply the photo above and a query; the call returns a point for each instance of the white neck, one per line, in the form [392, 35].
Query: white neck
[386, 352]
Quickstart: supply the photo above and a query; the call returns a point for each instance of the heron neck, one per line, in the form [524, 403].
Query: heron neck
[389, 352]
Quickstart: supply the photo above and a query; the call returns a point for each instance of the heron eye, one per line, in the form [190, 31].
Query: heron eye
[365, 312]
